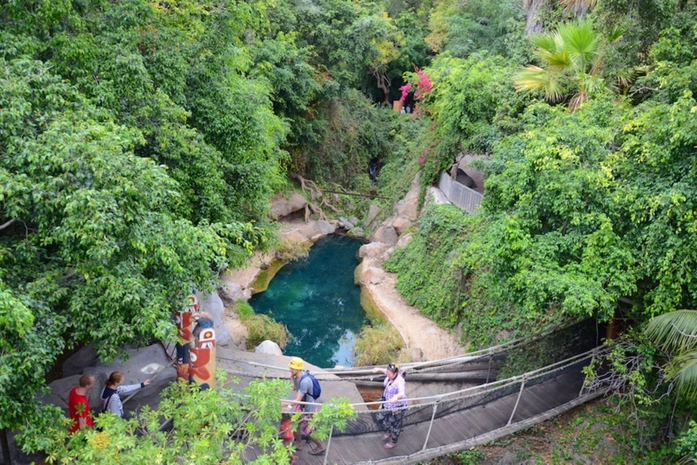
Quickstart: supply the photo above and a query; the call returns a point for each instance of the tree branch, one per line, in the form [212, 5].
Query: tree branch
[7, 224]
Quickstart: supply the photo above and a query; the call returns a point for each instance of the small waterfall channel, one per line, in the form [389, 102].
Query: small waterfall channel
[318, 301]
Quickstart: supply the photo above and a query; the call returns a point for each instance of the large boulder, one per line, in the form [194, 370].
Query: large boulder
[408, 207]
[345, 223]
[386, 234]
[357, 232]
[401, 224]
[213, 304]
[370, 274]
[297, 236]
[404, 240]
[269, 348]
[373, 250]
[230, 293]
[151, 362]
[76, 363]
[324, 227]
[373, 212]
[281, 206]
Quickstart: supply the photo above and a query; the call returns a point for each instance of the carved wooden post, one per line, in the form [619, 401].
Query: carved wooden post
[196, 346]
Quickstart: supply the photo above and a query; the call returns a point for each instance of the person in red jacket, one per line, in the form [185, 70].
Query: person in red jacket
[79, 406]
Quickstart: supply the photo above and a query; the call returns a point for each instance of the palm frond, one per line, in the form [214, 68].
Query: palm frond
[546, 42]
[581, 42]
[560, 59]
[589, 83]
[676, 331]
[684, 370]
[536, 79]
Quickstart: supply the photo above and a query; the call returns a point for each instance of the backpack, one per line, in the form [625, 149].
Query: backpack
[105, 409]
[316, 388]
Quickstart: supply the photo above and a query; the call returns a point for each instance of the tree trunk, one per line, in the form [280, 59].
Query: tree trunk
[534, 24]
[5, 444]
[383, 83]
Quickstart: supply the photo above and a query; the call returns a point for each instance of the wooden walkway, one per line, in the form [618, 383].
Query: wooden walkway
[479, 421]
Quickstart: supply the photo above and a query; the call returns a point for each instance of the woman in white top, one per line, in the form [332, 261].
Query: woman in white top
[111, 400]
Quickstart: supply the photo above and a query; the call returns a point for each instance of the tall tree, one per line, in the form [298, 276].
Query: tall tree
[91, 245]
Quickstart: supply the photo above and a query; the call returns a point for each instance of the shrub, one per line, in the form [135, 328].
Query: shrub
[377, 345]
[290, 251]
[261, 327]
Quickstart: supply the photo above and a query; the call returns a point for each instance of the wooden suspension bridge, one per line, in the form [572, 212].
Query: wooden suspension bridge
[445, 422]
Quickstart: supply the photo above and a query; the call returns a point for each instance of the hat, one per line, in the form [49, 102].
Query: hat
[296, 363]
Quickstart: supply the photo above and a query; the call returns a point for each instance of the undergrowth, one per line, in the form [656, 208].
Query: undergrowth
[261, 327]
[377, 345]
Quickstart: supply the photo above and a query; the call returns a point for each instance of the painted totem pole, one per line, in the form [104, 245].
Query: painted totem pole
[196, 346]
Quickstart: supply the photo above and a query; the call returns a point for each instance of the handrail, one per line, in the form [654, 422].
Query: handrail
[483, 388]
[462, 358]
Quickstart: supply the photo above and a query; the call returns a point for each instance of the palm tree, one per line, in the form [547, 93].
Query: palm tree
[570, 63]
[677, 333]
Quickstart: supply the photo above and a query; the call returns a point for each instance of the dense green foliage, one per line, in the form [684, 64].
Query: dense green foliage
[126, 178]
[582, 209]
[261, 328]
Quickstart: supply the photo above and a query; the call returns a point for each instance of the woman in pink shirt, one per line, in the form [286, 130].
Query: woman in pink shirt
[395, 395]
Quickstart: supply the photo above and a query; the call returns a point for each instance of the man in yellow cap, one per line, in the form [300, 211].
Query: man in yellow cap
[303, 393]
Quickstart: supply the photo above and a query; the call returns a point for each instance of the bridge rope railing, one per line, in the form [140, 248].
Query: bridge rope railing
[468, 357]
[529, 377]
[488, 355]
[426, 411]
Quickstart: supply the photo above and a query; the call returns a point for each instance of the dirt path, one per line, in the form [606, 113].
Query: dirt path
[417, 330]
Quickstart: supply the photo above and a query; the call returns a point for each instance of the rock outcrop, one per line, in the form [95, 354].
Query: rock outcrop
[281, 206]
[151, 362]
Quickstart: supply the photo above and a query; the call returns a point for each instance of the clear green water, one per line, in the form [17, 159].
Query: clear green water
[318, 301]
